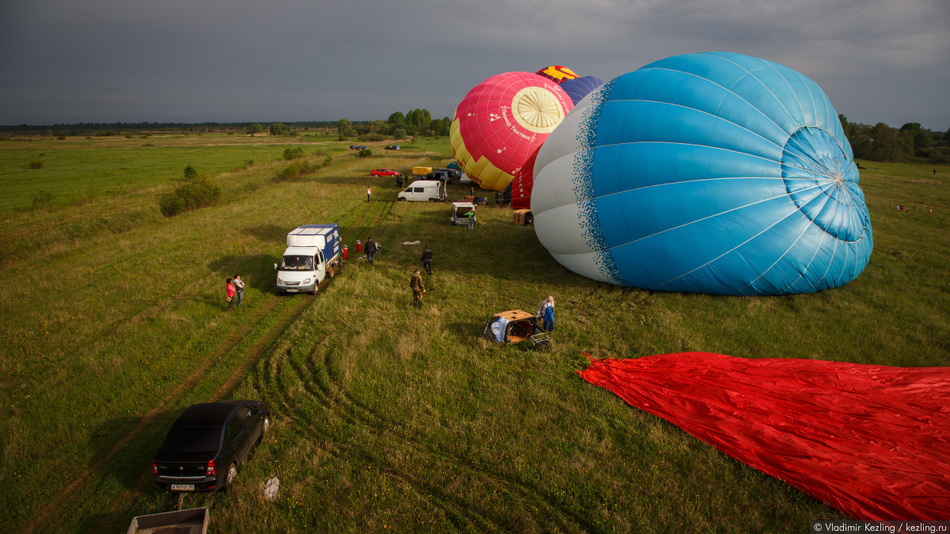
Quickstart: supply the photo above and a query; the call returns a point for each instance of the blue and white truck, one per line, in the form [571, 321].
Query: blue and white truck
[313, 253]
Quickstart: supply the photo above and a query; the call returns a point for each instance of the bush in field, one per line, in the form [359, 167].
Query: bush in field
[191, 173]
[294, 152]
[327, 160]
[364, 153]
[36, 164]
[371, 136]
[294, 170]
[282, 129]
[198, 193]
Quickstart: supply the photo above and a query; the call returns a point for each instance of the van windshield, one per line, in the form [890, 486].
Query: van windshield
[296, 263]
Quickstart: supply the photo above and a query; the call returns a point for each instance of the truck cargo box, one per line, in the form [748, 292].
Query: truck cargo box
[311, 235]
[421, 172]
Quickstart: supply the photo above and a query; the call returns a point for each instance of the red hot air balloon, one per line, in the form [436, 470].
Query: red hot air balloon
[501, 121]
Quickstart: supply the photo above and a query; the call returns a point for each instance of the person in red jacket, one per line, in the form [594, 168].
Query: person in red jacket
[231, 293]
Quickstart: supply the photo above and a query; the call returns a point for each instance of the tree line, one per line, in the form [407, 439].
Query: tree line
[909, 143]
[880, 142]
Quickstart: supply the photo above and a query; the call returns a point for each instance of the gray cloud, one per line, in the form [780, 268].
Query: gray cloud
[295, 60]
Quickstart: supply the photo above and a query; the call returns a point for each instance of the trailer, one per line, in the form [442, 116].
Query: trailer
[193, 521]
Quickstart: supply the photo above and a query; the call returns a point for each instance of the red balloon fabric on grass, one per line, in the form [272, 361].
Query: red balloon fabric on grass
[872, 441]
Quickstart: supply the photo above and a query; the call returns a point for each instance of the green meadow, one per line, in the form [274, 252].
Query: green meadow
[386, 417]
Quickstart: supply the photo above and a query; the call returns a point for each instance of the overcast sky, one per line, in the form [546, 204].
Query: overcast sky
[69, 61]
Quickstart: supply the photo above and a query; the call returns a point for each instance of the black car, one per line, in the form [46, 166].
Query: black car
[207, 443]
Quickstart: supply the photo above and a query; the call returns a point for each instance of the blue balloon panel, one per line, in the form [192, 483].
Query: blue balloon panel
[711, 173]
[578, 88]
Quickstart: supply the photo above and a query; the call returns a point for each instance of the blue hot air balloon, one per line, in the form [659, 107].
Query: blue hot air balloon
[578, 88]
[710, 173]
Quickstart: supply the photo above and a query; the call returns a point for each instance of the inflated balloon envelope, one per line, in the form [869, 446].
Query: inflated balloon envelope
[711, 173]
[501, 121]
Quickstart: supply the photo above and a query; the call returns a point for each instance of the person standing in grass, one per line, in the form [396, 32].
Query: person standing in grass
[471, 219]
[371, 249]
[418, 288]
[427, 259]
[547, 314]
[369, 192]
[230, 298]
[238, 289]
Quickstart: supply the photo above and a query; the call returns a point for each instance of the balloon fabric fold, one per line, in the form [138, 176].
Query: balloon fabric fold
[872, 441]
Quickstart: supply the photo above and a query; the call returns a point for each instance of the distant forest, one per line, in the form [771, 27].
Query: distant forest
[879, 142]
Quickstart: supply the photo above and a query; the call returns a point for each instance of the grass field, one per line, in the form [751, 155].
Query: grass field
[386, 417]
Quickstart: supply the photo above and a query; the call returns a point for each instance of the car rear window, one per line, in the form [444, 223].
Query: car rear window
[192, 439]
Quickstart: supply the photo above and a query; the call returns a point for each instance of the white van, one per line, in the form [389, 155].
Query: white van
[423, 190]
[460, 211]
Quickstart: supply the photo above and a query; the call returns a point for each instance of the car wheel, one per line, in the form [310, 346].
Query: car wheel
[265, 426]
[232, 473]
[401, 199]
[316, 286]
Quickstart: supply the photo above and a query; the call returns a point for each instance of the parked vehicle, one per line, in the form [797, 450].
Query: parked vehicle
[392, 147]
[450, 174]
[423, 190]
[516, 326]
[313, 254]
[383, 172]
[460, 211]
[207, 443]
[421, 173]
[192, 521]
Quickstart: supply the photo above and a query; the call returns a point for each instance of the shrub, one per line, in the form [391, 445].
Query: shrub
[371, 136]
[295, 169]
[196, 194]
[365, 153]
[294, 152]
[327, 160]
[191, 173]
[36, 164]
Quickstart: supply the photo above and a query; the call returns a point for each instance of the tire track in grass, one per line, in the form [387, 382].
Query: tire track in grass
[275, 382]
[365, 415]
[224, 347]
[317, 382]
